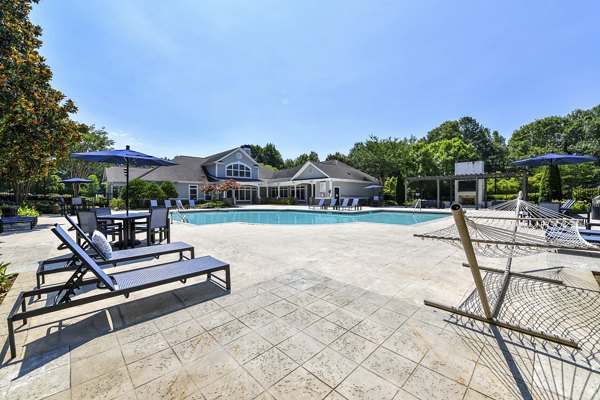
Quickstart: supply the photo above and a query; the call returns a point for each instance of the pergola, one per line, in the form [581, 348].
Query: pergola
[466, 177]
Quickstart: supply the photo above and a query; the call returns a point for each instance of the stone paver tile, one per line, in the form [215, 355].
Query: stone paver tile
[172, 319]
[216, 318]
[270, 285]
[334, 284]
[352, 290]
[229, 332]
[243, 308]
[182, 332]
[375, 298]
[135, 332]
[287, 278]
[64, 395]
[403, 395]
[344, 318]
[338, 298]
[37, 386]
[300, 385]
[265, 299]
[92, 347]
[413, 339]
[144, 347]
[302, 299]
[276, 332]
[361, 307]
[390, 366]
[494, 384]
[99, 364]
[302, 284]
[427, 384]
[281, 308]
[353, 346]
[473, 395]
[301, 318]
[509, 361]
[173, 385]
[248, 347]
[319, 290]
[325, 331]
[565, 378]
[265, 396]
[330, 366]
[432, 316]
[153, 366]
[250, 291]
[34, 365]
[285, 291]
[300, 347]
[388, 318]
[335, 396]
[448, 362]
[401, 307]
[236, 385]
[258, 319]
[321, 307]
[229, 300]
[373, 331]
[211, 367]
[192, 349]
[270, 367]
[200, 310]
[109, 386]
[365, 385]
[461, 345]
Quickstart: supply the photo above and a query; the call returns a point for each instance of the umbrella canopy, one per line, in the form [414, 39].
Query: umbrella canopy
[554, 159]
[75, 182]
[127, 157]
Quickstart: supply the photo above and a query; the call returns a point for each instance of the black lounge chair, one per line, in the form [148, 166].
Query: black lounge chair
[68, 262]
[109, 285]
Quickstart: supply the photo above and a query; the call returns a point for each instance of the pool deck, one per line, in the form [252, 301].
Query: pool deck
[316, 311]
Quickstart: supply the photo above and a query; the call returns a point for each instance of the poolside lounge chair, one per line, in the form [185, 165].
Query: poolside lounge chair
[355, 203]
[192, 203]
[117, 284]
[332, 203]
[344, 204]
[67, 262]
[567, 206]
[168, 204]
[153, 203]
[320, 204]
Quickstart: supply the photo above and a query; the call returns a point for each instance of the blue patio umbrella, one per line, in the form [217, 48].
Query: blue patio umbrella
[126, 157]
[553, 159]
[75, 182]
[373, 187]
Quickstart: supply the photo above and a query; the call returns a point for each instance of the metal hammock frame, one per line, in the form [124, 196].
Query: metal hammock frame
[512, 229]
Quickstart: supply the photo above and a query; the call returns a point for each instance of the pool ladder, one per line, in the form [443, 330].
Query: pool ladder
[181, 215]
[418, 202]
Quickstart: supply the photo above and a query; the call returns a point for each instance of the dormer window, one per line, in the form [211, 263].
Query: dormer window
[238, 170]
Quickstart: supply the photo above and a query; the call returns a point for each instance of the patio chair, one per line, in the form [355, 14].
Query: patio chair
[76, 205]
[192, 203]
[63, 296]
[88, 222]
[567, 206]
[168, 204]
[355, 203]
[67, 262]
[320, 204]
[344, 204]
[153, 203]
[157, 223]
[333, 203]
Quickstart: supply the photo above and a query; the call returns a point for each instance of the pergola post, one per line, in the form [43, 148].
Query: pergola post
[477, 193]
[405, 191]
[438, 192]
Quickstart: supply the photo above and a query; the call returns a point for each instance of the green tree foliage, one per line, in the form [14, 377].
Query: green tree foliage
[438, 158]
[136, 191]
[380, 158]
[301, 160]
[550, 185]
[154, 192]
[92, 139]
[489, 145]
[338, 156]
[91, 189]
[267, 156]
[169, 189]
[35, 124]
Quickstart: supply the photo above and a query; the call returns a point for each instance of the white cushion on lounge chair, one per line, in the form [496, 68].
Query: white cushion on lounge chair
[102, 244]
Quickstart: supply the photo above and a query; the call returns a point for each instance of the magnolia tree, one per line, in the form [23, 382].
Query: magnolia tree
[215, 189]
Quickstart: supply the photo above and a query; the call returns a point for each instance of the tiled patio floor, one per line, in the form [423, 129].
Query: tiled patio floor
[300, 334]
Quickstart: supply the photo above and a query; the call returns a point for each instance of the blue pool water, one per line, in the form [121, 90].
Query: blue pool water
[285, 217]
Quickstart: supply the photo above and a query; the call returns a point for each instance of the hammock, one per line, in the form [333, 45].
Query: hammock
[515, 229]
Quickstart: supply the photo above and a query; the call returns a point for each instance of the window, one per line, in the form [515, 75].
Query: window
[193, 192]
[244, 194]
[238, 170]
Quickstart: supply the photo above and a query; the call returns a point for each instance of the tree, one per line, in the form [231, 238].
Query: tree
[35, 124]
[136, 191]
[169, 189]
[438, 158]
[92, 139]
[271, 156]
[338, 156]
[301, 159]
[550, 185]
[380, 157]
[153, 191]
[92, 188]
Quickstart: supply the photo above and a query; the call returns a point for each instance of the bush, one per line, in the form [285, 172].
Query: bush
[580, 207]
[550, 185]
[117, 203]
[214, 204]
[154, 192]
[43, 206]
[136, 191]
[4, 277]
[26, 211]
[169, 189]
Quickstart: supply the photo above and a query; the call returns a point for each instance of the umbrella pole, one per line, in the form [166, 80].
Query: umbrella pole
[127, 186]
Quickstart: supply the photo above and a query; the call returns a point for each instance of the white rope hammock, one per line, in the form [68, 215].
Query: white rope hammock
[516, 228]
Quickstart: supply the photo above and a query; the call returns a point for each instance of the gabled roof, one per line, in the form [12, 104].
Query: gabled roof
[117, 174]
[188, 169]
[338, 170]
[218, 156]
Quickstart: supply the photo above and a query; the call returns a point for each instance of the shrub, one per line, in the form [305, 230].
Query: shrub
[26, 211]
[214, 204]
[4, 277]
[169, 189]
[136, 191]
[580, 207]
[550, 185]
[153, 191]
[117, 203]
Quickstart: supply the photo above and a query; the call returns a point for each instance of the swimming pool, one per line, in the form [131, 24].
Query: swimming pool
[290, 217]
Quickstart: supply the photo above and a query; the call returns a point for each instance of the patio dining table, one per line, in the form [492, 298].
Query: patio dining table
[128, 224]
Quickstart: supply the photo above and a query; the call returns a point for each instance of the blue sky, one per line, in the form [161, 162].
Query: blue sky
[198, 77]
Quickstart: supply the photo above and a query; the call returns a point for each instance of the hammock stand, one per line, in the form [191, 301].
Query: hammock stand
[542, 230]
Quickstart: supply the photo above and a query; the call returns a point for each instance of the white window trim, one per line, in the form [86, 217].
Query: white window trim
[238, 163]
